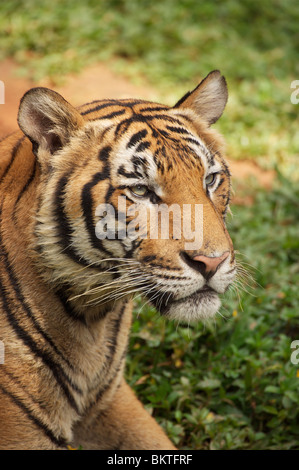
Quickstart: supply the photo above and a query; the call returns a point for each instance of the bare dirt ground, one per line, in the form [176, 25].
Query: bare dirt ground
[99, 82]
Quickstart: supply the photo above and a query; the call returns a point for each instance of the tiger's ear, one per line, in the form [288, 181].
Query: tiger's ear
[47, 119]
[208, 99]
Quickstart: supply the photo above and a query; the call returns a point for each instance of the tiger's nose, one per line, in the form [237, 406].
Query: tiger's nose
[205, 265]
[209, 264]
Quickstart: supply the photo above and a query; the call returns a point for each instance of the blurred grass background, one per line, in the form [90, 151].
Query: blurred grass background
[232, 385]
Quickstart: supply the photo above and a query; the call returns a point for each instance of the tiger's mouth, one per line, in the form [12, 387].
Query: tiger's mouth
[201, 304]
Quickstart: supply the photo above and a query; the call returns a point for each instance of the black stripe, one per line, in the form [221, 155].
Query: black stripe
[25, 337]
[224, 164]
[13, 156]
[121, 171]
[60, 442]
[148, 258]
[159, 163]
[28, 182]
[165, 276]
[165, 117]
[130, 102]
[164, 266]
[178, 130]
[109, 193]
[69, 310]
[108, 384]
[128, 198]
[107, 366]
[106, 387]
[153, 109]
[115, 331]
[87, 207]
[184, 117]
[64, 229]
[98, 107]
[166, 135]
[110, 116]
[136, 138]
[140, 161]
[126, 103]
[193, 141]
[17, 382]
[143, 146]
[220, 183]
[104, 154]
[25, 187]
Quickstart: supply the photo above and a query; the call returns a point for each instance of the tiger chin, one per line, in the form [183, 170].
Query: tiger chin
[84, 199]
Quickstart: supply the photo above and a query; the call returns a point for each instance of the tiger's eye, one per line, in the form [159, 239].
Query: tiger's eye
[139, 190]
[210, 179]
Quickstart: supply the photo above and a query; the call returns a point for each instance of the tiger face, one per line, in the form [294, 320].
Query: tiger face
[133, 199]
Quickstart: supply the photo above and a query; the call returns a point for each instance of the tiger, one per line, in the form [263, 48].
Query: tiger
[68, 290]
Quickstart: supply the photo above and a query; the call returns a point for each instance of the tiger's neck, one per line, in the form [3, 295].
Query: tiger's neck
[31, 237]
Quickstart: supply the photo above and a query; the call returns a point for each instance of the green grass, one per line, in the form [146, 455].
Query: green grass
[172, 44]
[232, 385]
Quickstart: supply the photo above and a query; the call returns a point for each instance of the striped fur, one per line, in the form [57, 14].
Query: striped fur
[66, 295]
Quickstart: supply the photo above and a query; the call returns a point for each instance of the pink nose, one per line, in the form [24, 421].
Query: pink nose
[211, 264]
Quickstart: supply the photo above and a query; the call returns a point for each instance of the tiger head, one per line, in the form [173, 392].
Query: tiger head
[104, 165]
